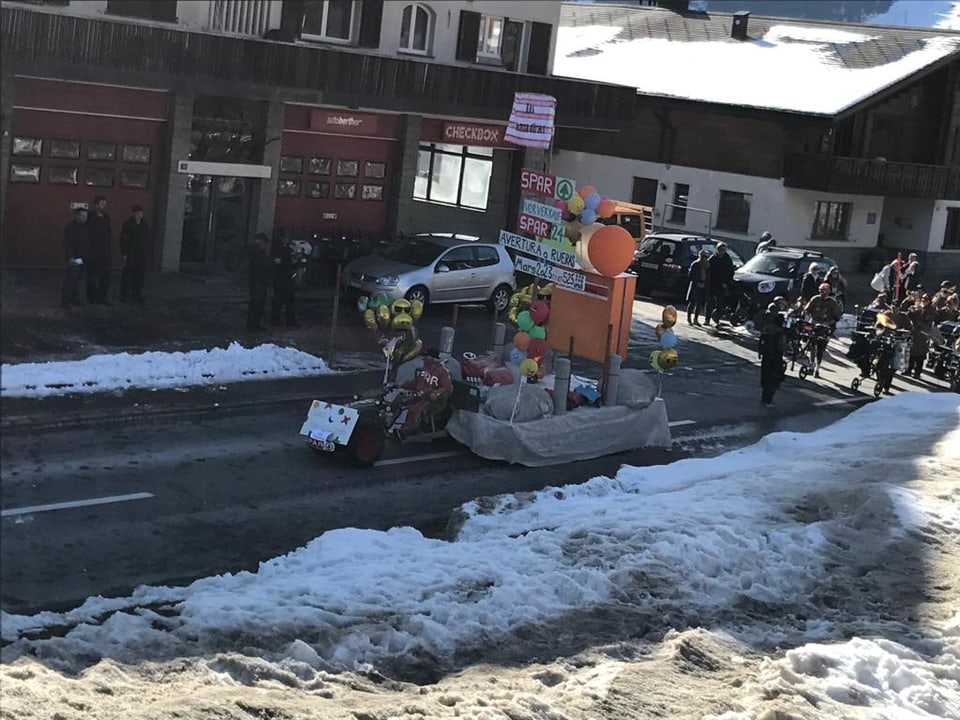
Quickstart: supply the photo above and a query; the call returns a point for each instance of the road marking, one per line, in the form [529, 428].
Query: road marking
[75, 504]
[418, 458]
[843, 401]
[681, 423]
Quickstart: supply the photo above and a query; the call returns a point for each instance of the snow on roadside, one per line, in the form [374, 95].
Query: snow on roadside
[158, 370]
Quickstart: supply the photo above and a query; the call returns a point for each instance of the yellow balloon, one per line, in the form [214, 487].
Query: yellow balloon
[576, 205]
[403, 321]
[370, 319]
[655, 359]
[383, 317]
[529, 368]
[400, 306]
[669, 316]
[416, 309]
[668, 358]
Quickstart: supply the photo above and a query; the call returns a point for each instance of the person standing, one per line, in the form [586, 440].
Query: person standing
[98, 264]
[76, 247]
[823, 310]
[135, 248]
[283, 285]
[721, 278]
[772, 344]
[811, 282]
[260, 272]
[911, 274]
[699, 275]
[767, 242]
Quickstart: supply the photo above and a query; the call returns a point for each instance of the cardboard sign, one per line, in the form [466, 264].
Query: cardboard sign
[545, 212]
[569, 279]
[534, 225]
[531, 120]
[334, 422]
[536, 248]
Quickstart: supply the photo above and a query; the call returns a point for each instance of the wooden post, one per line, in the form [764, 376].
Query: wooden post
[336, 312]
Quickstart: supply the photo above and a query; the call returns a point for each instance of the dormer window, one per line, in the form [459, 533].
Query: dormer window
[331, 20]
[416, 29]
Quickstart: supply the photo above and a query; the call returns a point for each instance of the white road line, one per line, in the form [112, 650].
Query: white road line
[843, 401]
[417, 458]
[75, 504]
[681, 423]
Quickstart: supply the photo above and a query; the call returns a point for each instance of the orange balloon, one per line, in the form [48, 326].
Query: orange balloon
[586, 190]
[607, 209]
[521, 340]
[611, 250]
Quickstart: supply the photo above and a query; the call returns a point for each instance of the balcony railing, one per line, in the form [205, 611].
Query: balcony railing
[243, 17]
[871, 177]
[42, 42]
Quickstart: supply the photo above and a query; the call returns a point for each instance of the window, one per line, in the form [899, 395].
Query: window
[376, 170]
[101, 151]
[951, 235]
[416, 29]
[288, 187]
[136, 153]
[62, 175]
[348, 168]
[454, 175]
[135, 178]
[491, 34]
[290, 164]
[318, 166]
[460, 258]
[99, 177]
[329, 19]
[831, 221]
[733, 212]
[371, 192]
[681, 196]
[27, 146]
[486, 256]
[345, 191]
[165, 10]
[318, 189]
[25, 173]
[65, 149]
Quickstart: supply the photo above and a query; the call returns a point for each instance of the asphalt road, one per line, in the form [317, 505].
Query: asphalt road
[99, 508]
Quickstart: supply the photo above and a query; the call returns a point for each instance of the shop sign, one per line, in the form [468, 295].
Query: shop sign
[551, 214]
[347, 123]
[566, 279]
[538, 249]
[534, 225]
[473, 134]
[545, 185]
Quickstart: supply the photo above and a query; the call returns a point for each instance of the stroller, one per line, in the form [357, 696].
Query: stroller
[892, 356]
[942, 352]
[808, 335]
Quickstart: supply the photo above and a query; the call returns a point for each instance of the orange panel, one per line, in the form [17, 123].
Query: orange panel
[587, 319]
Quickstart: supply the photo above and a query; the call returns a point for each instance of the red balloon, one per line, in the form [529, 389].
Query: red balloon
[537, 349]
[611, 250]
[539, 311]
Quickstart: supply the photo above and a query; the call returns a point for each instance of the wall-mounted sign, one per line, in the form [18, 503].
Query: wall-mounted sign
[348, 122]
[545, 212]
[200, 167]
[546, 185]
[328, 216]
[534, 226]
[473, 134]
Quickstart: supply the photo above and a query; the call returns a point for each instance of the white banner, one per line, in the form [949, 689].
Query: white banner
[536, 248]
[531, 120]
[568, 279]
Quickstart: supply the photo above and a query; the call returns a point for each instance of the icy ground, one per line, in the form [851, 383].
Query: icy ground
[810, 576]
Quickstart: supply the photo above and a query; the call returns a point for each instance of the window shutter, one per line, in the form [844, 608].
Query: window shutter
[371, 19]
[468, 38]
[538, 59]
[291, 20]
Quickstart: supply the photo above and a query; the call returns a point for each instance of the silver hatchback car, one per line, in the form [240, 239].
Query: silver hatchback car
[437, 268]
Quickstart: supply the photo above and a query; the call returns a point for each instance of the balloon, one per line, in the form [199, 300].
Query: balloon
[539, 312]
[582, 250]
[362, 303]
[537, 349]
[575, 205]
[668, 339]
[378, 300]
[383, 317]
[529, 367]
[659, 330]
[524, 321]
[607, 209]
[655, 359]
[521, 341]
[669, 316]
[538, 333]
[416, 309]
[516, 356]
[586, 190]
[592, 201]
[370, 318]
[400, 306]
[611, 250]
[406, 353]
[401, 321]
[668, 358]
[588, 216]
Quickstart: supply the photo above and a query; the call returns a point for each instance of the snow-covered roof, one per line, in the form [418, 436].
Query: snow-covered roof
[790, 65]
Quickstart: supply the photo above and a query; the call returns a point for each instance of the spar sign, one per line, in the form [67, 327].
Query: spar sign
[545, 185]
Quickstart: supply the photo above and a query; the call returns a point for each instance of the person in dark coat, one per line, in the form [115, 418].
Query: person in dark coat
[76, 247]
[98, 262]
[811, 282]
[261, 269]
[283, 286]
[699, 275]
[721, 279]
[772, 366]
[135, 248]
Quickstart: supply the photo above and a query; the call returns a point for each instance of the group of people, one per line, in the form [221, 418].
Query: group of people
[710, 279]
[272, 264]
[88, 250]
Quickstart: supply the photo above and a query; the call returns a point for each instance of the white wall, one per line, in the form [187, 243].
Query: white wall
[938, 226]
[786, 212]
[907, 223]
[447, 21]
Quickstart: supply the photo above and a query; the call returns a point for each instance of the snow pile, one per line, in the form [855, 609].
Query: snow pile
[158, 370]
[702, 70]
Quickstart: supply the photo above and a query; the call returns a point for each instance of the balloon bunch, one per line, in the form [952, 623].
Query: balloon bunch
[394, 318]
[667, 356]
[523, 299]
[530, 341]
[587, 205]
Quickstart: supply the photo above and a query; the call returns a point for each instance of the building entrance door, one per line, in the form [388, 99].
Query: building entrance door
[216, 221]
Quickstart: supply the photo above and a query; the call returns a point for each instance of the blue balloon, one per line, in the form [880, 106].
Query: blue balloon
[592, 201]
[588, 216]
[668, 340]
[517, 356]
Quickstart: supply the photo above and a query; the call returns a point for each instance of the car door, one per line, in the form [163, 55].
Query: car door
[453, 275]
[487, 273]
[665, 257]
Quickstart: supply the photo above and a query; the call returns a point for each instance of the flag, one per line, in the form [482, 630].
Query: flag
[531, 120]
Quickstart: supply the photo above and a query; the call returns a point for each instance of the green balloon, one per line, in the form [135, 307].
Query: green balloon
[525, 322]
[655, 360]
[538, 333]
[378, 300]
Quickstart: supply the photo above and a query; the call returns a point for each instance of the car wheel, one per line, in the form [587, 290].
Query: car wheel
[418, 293]
[500, 298]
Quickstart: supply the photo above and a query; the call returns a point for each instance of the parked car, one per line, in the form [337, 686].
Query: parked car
[775, 272]
[436, 268]
[662, 261]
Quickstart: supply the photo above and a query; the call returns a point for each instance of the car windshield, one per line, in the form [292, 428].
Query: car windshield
[416, 251]
[768, 264]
